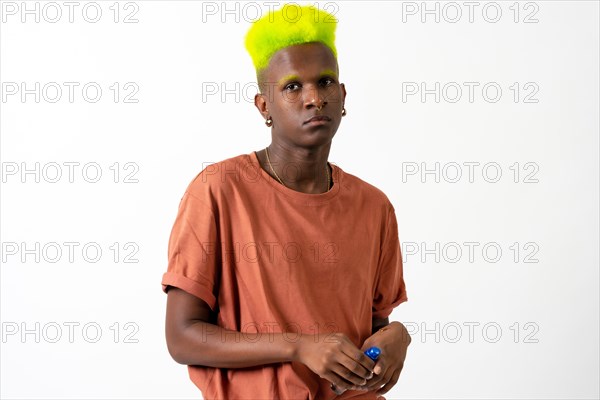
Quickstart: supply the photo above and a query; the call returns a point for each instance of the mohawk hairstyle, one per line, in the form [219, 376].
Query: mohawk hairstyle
[288, 26]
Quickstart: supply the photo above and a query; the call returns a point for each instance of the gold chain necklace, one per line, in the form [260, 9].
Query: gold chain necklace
[279, 179]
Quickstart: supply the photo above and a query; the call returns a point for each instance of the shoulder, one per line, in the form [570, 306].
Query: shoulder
[218, 176]
[365, 192]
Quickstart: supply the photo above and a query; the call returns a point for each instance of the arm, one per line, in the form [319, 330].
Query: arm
[193, 340]
[379, 323]
[392, 338]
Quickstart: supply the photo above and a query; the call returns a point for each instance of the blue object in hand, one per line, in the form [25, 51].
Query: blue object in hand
[373, 353]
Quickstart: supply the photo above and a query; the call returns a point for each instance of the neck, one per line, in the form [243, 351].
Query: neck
[300, 169]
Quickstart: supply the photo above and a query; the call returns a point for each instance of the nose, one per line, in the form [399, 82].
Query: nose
[314, 98]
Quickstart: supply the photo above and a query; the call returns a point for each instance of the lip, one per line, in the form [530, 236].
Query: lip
[318, 119]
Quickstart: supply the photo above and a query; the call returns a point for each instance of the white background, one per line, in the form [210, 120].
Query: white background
[547, 311]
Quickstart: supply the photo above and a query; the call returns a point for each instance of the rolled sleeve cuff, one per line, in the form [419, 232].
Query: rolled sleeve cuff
[190, 286]
[385, 312]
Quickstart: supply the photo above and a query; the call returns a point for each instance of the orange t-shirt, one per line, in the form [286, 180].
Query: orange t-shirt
[270, 259]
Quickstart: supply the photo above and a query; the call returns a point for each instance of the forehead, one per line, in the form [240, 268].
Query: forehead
[302, 60]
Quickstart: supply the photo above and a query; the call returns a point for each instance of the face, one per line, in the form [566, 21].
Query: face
[300, 83]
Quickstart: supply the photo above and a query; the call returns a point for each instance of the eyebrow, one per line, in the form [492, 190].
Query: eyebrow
[327, 72]
[287, 79]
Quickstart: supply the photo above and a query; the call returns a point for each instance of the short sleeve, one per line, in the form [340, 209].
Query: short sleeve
[193, 252]
[390, 289]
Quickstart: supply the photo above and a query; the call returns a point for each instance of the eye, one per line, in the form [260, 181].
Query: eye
[290, 87]
[327, 81]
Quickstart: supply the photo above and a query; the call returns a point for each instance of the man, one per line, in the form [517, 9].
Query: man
[283, 268]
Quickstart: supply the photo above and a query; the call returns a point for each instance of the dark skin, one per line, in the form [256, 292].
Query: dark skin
[300, 82]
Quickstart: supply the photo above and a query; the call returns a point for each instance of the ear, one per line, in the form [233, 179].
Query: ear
[343, 93]
[261, 105]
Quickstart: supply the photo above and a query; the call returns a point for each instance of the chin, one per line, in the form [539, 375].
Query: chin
[316, 137]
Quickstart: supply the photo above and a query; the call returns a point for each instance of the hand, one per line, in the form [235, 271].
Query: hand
[335, 358]
[393, 340]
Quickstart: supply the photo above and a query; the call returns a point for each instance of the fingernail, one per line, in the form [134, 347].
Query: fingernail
[370, 376]
[335, 389]
[377, 370]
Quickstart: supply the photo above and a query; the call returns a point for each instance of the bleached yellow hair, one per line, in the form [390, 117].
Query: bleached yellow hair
[290, 25]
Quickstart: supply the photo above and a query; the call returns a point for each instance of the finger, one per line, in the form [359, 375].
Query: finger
[379, 379]
[361, 358]
[390, 384]
[336, 390]
[348, 375]
[356, 367]
[376, 382]
[380, 366]
[388, 376]
[338, 384]
[339, 391]
[379, 372]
